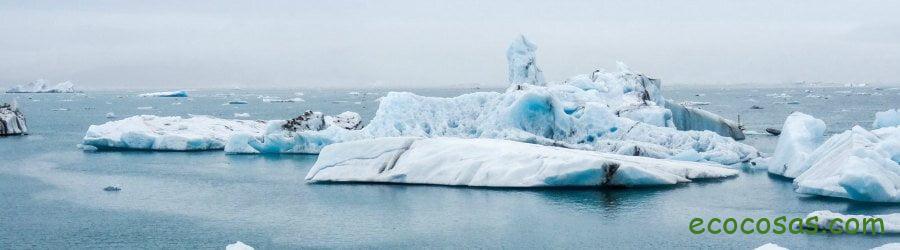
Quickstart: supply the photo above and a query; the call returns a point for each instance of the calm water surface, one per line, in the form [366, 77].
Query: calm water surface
[51, 193]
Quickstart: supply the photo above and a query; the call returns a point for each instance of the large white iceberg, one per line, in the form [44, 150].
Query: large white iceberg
[770, 246]
[40, 86]
[857, 164]
[621, 112]
[872, 224]
[177, 93]
[523, 68]
[149, 132]
[12, 120]
[556, 115]
[800, 135]
[495, 163]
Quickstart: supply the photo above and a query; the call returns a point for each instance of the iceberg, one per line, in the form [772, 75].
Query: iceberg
[856, 164]
[238, 246]
[12, 120]
[800, 135]
[149, 132]
[770, 246]
[534, 114]
[523, 68]
[826, 220]
[177, 93]
[495, 163]
[40, 86]
[620, 112]
[691, 118]
[305, 134]
[889, 118]
[888, 246]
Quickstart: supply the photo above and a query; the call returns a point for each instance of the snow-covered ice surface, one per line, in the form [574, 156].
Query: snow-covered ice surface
[889, 223]
[770, 246]
[238, 246]
[889, 118]
[149, 132]
[800, 135]
[495, 163]
[12, 120]
[176, 93]
[40, 86]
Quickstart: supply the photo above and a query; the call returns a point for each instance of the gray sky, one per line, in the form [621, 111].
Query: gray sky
[309, 44]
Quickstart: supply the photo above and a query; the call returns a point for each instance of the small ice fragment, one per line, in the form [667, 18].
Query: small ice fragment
[241, 114]
[110, 115]
[770, 246]
[145, 108]
[238, 246]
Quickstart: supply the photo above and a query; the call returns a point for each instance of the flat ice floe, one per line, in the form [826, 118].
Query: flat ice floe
[857, 164]
[495, 163]
[149, 132]
[177, 93]
[888, 223]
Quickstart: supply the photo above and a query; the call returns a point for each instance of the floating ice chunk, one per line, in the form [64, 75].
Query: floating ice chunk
[888, 246]
[145, 108]
[40, 86]
[800, 136]
[873, 224]
[238, 246]
[110, 115]
[12, 120]
[523, 68]
[177, 93]
[694, 103]
[690, 118]
[241, 114]
[887, 118]
[856, 164]
[770, 246]
[495, 163]
[148, 132]
[59, 109]
[276, 100]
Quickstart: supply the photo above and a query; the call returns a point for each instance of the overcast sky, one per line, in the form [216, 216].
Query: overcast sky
[309, 44]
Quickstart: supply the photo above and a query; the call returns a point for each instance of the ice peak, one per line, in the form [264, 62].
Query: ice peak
[523, 68]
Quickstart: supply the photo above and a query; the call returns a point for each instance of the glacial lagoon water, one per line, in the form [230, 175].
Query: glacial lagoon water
[51, 193]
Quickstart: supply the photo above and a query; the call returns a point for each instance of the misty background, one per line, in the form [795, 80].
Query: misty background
[353, 44]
